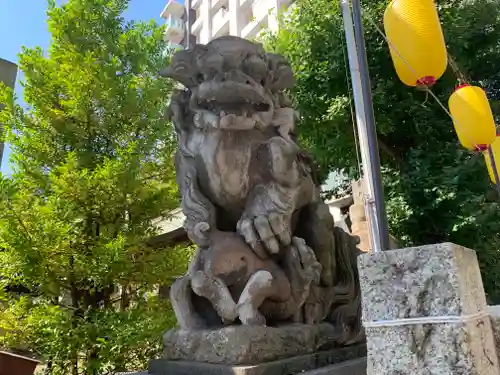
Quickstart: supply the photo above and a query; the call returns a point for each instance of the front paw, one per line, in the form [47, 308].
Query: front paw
[228, 314]
[249, 316]
[266, 234]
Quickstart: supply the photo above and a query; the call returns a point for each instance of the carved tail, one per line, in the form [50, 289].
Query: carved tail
[346, 307]
[199, 211]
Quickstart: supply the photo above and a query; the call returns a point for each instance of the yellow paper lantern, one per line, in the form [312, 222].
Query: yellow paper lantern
[416, 41]
[495, 148]
[472, 117]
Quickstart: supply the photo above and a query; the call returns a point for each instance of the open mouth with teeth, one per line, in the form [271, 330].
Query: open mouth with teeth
[239, 109]
[232, 98]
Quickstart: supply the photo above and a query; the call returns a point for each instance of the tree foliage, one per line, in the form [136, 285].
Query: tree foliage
[92, 170]
[435, 190]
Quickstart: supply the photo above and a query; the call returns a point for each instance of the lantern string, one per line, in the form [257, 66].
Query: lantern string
[349, 90]
[426, 87]
[426, 98]
[456, 69]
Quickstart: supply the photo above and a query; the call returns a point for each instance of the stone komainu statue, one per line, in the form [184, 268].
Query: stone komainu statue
[267, 249]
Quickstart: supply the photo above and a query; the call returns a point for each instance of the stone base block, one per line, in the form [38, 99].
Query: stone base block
[495, 325]
[319, 363]
[425, 312]
[245, 345]
[352, 367]
[424, 349]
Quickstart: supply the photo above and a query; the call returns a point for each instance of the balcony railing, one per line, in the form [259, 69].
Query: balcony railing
[175, 22]
[173, 7]
[174, 30]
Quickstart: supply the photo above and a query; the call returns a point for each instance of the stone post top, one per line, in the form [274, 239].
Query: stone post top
[415, 249]
[432, 280]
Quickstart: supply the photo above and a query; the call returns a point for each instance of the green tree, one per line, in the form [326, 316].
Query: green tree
[92, 157]
[435, 190]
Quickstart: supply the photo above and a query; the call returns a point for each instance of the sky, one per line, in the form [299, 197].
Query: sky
[23, 23]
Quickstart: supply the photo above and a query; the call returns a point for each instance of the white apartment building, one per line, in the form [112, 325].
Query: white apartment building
[211, 19]
[174, 14]
[243, 18]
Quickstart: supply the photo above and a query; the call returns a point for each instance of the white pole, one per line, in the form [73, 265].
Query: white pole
[359, 107]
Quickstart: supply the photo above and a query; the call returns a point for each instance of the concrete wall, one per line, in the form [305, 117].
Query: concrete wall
[8, 73]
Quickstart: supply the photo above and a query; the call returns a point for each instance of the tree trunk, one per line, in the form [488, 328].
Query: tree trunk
[125, 297]
[164, 291]
[48, 368]
[74, 318]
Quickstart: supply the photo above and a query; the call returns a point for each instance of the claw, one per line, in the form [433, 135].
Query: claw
[308, 260]
[280, 228]
[266, 234]
[305, 252]
[246, 228]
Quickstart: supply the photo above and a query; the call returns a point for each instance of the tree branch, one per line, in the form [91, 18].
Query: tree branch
[462, 77]
[388, 151]
[20, 221]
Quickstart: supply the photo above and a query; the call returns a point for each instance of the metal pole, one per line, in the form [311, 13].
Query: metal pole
[188, 23]
[359, 107]
[494, 168]
[373, 160]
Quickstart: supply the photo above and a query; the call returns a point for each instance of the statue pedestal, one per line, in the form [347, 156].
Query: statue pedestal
[246, 350]
[425, 312]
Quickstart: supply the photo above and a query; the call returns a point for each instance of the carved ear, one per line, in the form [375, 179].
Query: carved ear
[176, 108]
[182, 68]
[281, 72]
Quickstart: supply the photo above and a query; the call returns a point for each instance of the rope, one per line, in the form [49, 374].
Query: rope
[426, 320]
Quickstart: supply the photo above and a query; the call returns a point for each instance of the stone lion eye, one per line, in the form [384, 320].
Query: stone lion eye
[199, 78]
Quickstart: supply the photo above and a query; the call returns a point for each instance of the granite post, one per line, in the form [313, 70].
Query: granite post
[425, 312]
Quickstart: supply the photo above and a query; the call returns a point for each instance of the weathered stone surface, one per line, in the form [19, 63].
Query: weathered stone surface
[318, 361]
[495, 325]
[244, 345]
[443, 349]
[267, 249]
[429, 281]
